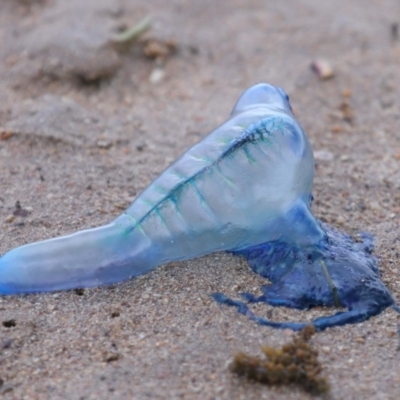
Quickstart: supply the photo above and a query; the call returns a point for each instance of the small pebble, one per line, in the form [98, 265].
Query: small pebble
[336, 129]
[322, 155]
[5, 135]
[104, 144]
[323, 69]
[326, 349]
[346, 93]
[374, 205]
[9, 219]
[345, 108]
[160, 50]
[156, 76]
[340, 220]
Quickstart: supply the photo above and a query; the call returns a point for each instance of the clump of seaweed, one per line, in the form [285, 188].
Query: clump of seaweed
[296, 362]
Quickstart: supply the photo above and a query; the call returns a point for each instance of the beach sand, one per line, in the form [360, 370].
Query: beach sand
[86, 125]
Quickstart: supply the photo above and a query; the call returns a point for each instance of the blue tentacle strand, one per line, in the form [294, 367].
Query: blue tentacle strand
[245, 188]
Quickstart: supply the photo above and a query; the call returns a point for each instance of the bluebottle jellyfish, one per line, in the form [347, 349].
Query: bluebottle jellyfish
[246, 189]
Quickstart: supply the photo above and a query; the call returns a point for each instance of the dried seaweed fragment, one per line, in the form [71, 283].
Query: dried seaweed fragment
[295, 362]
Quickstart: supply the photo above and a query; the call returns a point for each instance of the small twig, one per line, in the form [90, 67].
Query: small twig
[134, 32]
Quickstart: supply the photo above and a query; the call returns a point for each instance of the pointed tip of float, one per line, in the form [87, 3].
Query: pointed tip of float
[263, 94]
[5, 288]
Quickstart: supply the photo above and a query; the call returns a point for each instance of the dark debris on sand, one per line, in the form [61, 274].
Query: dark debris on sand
[295, 362]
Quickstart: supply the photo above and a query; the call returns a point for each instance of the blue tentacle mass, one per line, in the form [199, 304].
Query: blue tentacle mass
[245, 188]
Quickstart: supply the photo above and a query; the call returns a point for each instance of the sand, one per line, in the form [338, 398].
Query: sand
[85, 126]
